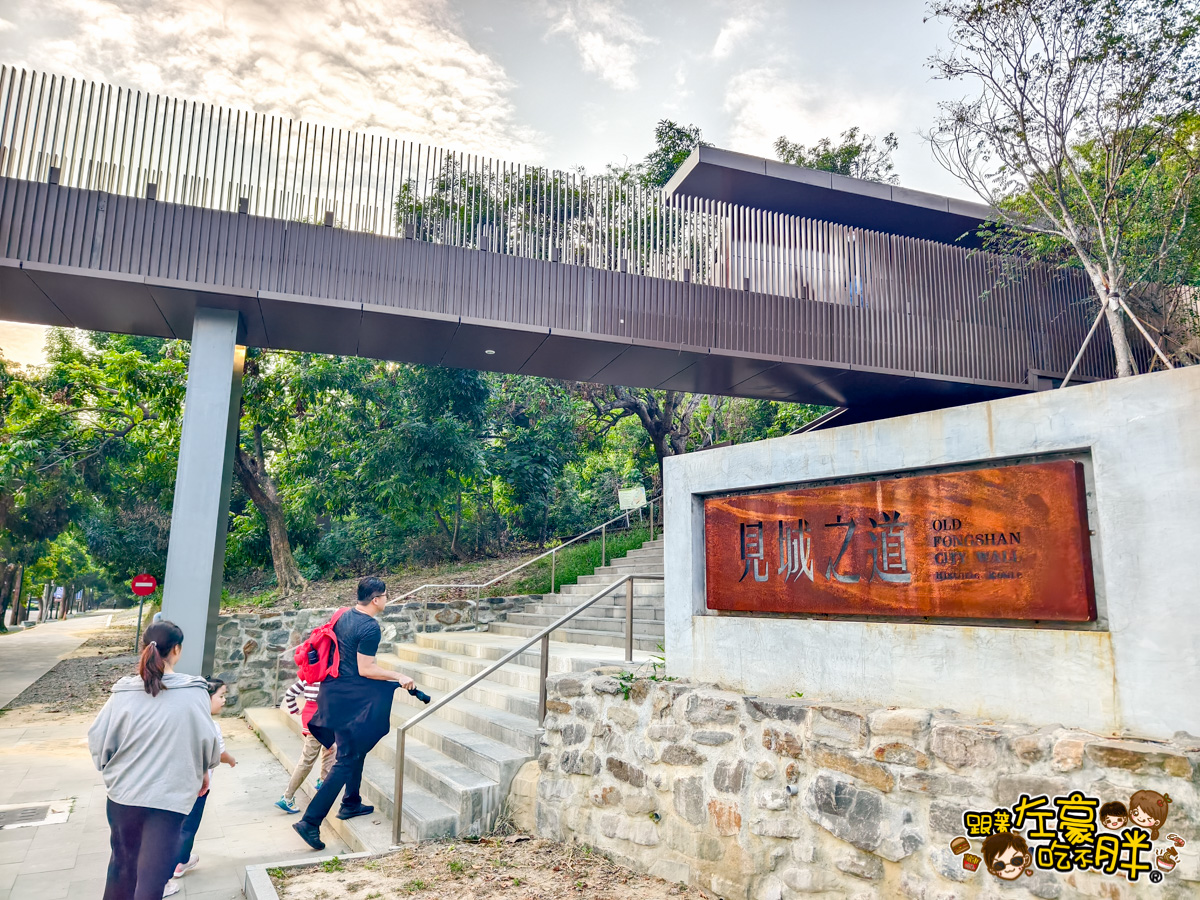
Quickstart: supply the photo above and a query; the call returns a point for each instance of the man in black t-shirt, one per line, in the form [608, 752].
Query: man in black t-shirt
[353, 710]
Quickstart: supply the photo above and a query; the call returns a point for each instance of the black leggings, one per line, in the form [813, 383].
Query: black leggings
[145, 844]
[191, 825]
[347, 773]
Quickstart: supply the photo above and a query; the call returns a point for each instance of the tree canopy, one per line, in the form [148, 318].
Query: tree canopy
[1080, 133]
[857, 155]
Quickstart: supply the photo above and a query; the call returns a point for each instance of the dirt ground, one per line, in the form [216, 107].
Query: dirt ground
[511, 868]
[80, 683]
[340, 591]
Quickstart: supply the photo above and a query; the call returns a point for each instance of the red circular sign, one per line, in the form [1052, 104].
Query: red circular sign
[144, 585]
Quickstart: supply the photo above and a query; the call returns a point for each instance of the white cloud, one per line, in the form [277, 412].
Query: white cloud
[735, 30]
[396, 66]
[764, 104]
[608, 39]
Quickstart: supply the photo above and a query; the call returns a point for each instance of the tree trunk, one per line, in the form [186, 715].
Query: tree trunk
[452, 538]
[457, 524]
[253, 476]
[18, 615]
[10, 571]
[1120, 339]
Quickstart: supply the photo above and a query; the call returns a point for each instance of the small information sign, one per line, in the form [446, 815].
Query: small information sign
[632, 498]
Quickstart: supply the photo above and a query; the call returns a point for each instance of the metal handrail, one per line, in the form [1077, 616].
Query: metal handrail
[544, 637]
[552, 553]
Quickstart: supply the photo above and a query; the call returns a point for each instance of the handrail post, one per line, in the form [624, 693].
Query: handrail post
[629, 620]
[651, 520]
[553, 562]
[603, 543]
[545, 673]
[398, 788]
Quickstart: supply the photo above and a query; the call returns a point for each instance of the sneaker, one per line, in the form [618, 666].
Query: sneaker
[183, 868]
[287, 804]
[349, 812]
[320, 781]
[310, 833]
[171, 889]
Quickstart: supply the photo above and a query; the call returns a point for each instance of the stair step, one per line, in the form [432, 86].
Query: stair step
[435, 680]
[624, 565]
[650, 590]
[517, 731]
[474, 798]
[601, 580]
[488, 757]
[609, 610]
[491, 646]
[580, 636]
[584, 622]
[515, 674]
[647, 549]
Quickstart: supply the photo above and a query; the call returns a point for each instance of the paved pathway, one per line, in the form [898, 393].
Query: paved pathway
[27, 655]
[46, 758]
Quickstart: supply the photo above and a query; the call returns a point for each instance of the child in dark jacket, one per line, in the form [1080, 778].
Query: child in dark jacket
[303, 692]
[187, 860]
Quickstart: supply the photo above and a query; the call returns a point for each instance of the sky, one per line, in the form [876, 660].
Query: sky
[562, 83]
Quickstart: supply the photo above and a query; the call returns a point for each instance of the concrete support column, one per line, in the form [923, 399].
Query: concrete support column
[200, 517]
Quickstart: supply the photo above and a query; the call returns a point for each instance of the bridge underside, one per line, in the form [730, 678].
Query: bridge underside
[129, 304]
[105, 262]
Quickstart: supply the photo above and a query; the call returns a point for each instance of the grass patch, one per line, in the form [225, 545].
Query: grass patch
[581, 558]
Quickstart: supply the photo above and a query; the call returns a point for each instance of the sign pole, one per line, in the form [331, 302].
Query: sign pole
[138, 638]
[142, 585]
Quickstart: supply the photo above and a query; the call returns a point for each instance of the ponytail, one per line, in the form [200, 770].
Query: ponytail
[157, 643]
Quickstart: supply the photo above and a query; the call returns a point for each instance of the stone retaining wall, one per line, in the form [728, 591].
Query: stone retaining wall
[775, 799]
[254, 651]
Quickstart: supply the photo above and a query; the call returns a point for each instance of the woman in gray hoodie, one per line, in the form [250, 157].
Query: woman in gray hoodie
[154, 742]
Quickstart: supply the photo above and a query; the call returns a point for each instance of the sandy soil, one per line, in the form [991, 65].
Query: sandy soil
[81, 682]
[493, 869]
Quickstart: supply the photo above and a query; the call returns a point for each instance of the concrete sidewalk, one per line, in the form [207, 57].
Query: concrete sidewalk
[27, 655]
[42, 760]
[44, 756]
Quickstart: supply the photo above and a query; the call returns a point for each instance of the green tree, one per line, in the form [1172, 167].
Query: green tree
[858, 155]
[536, 429]
[1076, 104]
[272, 401]
[388, 443]
[673, 144]
[90, 442]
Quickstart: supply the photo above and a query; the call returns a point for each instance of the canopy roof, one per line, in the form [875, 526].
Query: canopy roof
[723, 175]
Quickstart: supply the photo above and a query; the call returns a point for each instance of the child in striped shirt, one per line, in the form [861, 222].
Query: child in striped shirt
[304, 692]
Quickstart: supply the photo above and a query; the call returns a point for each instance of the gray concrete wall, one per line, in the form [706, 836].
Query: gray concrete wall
[1134, 671]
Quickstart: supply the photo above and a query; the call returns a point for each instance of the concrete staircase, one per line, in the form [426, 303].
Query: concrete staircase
[603, 625]
[460, 763]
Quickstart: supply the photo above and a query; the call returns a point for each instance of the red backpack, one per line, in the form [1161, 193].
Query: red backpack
[318, 657]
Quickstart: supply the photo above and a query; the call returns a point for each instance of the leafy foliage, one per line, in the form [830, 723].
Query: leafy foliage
[856, 156]
[673, 144]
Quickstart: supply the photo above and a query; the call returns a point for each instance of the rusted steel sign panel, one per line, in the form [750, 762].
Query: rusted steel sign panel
[1005, 543]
